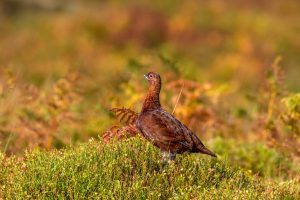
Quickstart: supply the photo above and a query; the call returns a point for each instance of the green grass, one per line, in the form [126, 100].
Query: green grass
[257, 157]
[132, 170]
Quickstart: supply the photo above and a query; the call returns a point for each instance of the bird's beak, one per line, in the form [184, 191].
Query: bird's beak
[146, 77]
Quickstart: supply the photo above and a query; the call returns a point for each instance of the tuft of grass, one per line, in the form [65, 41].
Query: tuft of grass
[130, 170]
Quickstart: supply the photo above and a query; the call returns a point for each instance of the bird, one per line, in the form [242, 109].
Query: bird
[162, 129]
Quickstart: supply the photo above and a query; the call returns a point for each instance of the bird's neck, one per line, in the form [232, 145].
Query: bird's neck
[152, 99]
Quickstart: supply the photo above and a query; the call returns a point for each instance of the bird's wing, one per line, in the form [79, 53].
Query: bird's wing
[166, 131]
[182, 132]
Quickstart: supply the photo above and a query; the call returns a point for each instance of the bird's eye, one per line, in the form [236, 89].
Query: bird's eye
[150, 76]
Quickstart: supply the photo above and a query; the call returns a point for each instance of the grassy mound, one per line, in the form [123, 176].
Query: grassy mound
[132, 170]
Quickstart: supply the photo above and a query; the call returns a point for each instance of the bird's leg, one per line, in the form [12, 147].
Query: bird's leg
[172, 156]
[168, 156]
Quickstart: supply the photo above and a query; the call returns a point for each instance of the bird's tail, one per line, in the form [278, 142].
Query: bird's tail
[199, 147]
[204, 150]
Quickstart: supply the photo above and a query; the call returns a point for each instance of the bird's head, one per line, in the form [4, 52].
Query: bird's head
[153, 78]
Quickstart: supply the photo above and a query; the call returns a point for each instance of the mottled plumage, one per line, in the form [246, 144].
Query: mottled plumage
[162, 128]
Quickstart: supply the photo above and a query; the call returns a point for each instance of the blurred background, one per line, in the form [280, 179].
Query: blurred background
[64, 64]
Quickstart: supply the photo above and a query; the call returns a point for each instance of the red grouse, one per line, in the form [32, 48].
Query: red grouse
[162, 128]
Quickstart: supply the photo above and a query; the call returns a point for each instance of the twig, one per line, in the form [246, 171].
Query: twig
[177, 100]
[7, 142]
